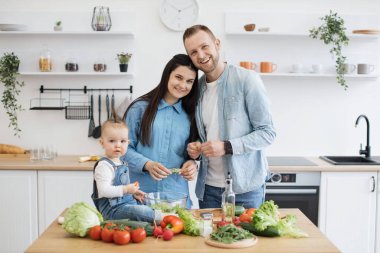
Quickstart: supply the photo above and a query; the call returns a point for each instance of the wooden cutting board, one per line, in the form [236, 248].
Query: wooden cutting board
[235, 245]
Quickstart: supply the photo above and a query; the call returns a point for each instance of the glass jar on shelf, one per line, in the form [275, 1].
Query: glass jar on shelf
[72, 65]
[45, 61]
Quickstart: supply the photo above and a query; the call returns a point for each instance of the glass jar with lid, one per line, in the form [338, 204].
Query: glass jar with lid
[45, 62]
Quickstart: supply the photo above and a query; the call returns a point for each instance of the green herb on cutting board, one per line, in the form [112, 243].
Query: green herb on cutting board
[230, 234]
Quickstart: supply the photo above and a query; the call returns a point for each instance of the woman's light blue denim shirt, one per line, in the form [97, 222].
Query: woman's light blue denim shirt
[169, 138]
[246, 121]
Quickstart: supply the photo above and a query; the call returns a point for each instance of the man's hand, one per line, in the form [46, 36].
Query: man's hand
[189, 170]
[194, 149]
[213, 148]
[156, 170]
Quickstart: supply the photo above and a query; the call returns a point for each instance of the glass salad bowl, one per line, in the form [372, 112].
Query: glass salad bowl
[165, 201]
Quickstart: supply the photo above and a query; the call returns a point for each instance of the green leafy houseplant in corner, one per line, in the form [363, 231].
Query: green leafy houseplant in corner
[9, 64]
[333, 33]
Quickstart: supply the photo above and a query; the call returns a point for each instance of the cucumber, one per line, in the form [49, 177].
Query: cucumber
[268, 232]
[239, 210]
[133, 224]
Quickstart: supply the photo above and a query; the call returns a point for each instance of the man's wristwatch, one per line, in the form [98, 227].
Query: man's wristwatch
[228, 148]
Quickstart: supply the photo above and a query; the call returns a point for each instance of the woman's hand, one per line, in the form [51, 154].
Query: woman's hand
[189, 170]
[156, 170]
[194, 149]
[139, 196]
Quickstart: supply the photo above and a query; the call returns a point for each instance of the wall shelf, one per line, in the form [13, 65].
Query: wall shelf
[62, 33]
[306, 35]
[312, 75]
[127, 74]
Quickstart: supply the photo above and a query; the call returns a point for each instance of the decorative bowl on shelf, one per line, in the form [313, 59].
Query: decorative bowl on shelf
[166, 199]
[249, 27]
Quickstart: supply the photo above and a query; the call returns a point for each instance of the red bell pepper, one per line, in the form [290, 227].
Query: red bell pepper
[173, 223]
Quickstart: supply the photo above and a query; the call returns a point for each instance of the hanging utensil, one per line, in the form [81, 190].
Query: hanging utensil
[98, 130]
[91, 126]
[113, 106]
[108, 106]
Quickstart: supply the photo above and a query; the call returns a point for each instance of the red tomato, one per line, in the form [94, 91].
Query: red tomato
[222, 224]
[138, 235]
[107, 233]
[95, 232]
[121, 237]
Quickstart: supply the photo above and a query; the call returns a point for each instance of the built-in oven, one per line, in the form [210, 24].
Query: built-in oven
[295, 190]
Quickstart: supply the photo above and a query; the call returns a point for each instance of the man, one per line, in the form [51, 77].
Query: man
[234, 123]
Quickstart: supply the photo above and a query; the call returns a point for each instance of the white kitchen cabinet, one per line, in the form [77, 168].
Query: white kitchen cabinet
[58, 190]
[377, 241]
[347, 213]
[18, 211]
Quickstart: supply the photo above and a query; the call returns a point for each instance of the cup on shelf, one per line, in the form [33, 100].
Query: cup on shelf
[267, 67]
[317, 68]
[348, 68]
[248, 65]
[364, 68]
[297, 68]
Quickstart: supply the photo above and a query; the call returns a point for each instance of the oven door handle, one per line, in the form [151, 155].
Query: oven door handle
[291, 191]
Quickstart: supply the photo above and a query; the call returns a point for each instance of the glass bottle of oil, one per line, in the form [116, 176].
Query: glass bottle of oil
[228, 201]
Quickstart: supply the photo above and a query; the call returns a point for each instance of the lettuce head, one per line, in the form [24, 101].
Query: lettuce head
[80, 217]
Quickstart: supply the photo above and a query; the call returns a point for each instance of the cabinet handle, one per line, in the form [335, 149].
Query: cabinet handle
[373, 184]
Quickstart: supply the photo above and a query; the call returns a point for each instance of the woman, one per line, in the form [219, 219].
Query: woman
[161, 124]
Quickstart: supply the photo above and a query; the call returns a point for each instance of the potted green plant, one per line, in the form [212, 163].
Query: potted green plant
[123, 61]
[9, 64]
[333, 33]
[58, 26]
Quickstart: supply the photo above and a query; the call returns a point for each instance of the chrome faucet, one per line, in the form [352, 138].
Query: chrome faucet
[367, 150]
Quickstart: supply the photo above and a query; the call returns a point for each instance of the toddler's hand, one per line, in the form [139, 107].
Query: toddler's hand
[130, 188]
[139, 196]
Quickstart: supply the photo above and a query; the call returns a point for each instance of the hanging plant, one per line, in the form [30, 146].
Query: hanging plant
[333, 33]
[9, 64]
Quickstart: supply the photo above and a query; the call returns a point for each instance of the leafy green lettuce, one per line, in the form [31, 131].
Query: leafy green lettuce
[267, 215]
[80, 217]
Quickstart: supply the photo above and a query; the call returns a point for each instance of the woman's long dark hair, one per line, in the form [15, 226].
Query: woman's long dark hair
[154, 97]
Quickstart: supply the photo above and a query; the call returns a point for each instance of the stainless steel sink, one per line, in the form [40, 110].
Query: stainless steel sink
[350, 160]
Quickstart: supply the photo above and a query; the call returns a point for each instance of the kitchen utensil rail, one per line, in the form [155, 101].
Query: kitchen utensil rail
[85, 89]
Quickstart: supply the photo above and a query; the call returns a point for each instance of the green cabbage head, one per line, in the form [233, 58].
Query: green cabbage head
[80, 217]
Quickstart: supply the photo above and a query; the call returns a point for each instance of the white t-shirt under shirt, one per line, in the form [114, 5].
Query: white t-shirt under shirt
[215, 172]
[104, 177]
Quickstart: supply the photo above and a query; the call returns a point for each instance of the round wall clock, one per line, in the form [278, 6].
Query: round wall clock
[178, 15]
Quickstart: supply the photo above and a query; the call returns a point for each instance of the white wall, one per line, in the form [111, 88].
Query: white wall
[312, 116]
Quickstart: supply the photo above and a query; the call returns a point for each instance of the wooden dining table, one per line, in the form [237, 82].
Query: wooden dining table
[56, 240]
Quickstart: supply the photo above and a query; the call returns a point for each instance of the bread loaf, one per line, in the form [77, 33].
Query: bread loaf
[11, 149]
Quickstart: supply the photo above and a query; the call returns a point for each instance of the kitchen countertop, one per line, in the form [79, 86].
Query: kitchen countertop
[277, 164]
[55, 239]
